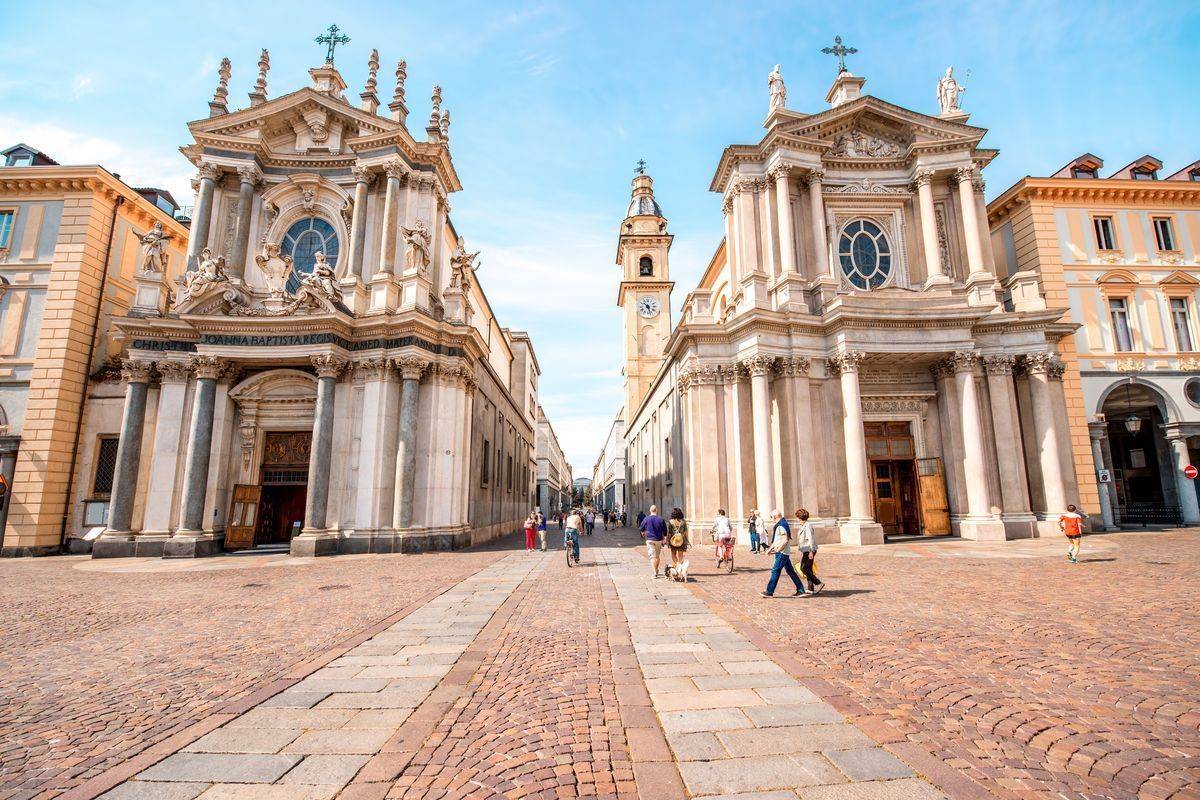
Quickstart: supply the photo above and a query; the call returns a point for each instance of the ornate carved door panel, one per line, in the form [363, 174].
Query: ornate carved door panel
[243, 517]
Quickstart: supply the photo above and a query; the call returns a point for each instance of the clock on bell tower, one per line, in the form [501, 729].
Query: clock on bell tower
[645, 291]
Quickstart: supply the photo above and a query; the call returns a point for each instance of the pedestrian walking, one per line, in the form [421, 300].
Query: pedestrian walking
[654, 530]
[624, 519]
[806, 543]
[530, 531]
[752, 527]
[541, 525]
[590, 521]
[641, 517]
[781, 546]
[1071, 523]
[677, 539]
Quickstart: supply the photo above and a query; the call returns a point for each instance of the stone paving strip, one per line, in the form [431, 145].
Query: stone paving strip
[308, 742]
[739, 726]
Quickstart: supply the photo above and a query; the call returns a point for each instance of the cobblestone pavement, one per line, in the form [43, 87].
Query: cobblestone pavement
[100, 660]
[1033, 677]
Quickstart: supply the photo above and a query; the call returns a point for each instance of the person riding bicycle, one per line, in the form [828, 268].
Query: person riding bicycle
[571, 534]
[722, 533]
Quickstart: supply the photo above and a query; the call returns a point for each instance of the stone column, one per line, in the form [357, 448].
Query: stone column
[411, 369]
[730, 239]
[328, 368]
[394, 170]
[1010, 453]
[1046, 433]
[965, 176]
[190, 539]
[817, 207]
[1098, 431]
[164, 459]
[804, 458]
[136, 375]
[933, 257]
[250, 177]
[760, 404]
[376, 464]
[358, 219]
[1184, 487]
[202, 214]
[979, 522]
[860, 527]
[783, 209]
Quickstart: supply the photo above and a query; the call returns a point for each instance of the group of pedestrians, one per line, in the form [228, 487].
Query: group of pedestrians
[773, 536]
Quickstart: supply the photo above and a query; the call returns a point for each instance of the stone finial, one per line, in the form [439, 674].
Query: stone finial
[434, 128]
[259, 95]
[444, 126]
[220, 103]
[399, 109]
[370, 100]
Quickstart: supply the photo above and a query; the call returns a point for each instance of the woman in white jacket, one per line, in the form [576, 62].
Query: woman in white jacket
[806, 542]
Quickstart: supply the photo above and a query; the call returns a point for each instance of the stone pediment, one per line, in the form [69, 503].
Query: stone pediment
[883, 122]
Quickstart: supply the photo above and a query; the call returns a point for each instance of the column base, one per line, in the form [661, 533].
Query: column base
[825, 531]
[1019, 526]
[403, 540]
[982, 530]
[128, 545]
[981, 289]
[315, 542]
[192, 544]
[935, 282]
[860, 532]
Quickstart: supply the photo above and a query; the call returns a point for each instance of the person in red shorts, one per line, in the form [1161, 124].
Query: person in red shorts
[1071, 523]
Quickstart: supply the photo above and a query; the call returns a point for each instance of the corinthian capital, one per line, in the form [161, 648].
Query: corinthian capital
[846, 362]
[394, 168]
[411, 367]
[362, 174]
[780, 171]
[208, 170]
[174, 371]
[814, 176]
[250, 174]
[998, 365]
[136, 371]
[964, 174]
[209, 367]
[329, 365]
[965, 360]
[924, 177]
[759, 365]
[1037, 363]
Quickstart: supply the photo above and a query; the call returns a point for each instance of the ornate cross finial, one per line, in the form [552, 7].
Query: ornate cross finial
[434, 128]
[401, 76]
[641, 166]
[372, 70]
[840, 51]
[259, 95]
[332, 38]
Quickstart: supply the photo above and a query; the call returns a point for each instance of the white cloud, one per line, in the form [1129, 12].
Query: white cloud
[83, 84]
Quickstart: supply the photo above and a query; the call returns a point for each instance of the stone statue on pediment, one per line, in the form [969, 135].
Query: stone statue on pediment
[949, 93]
[154, 249]
[322, 281]
[209, 273]
[275, 268]
[418, 240]
[778, 89]
[462, 265]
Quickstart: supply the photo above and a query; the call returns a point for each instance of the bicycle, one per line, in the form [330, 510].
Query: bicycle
[724, 552]
[571, 545]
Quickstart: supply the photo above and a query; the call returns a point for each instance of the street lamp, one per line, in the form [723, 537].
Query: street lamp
[1133, 423]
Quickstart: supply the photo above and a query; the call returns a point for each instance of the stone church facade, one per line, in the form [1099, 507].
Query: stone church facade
[850, 347]
[328, 372]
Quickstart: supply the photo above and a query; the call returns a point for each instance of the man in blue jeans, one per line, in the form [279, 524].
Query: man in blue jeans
[571, 535]
[781, 546]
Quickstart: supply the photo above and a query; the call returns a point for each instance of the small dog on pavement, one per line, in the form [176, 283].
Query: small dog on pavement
[678, 573]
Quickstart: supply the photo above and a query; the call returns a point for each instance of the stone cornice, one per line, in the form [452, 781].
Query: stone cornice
[56, 181]
[1105, 191]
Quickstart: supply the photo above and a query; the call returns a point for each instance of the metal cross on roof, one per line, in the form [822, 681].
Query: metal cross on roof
[641, 167]
[333, 38]
[839, 51]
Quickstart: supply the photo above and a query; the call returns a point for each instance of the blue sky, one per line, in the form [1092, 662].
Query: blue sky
[552, 103]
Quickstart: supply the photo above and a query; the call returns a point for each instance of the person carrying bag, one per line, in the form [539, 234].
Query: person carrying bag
[806, 541]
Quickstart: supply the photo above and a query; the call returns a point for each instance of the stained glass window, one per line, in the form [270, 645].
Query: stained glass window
[865, 254]
[303, 241]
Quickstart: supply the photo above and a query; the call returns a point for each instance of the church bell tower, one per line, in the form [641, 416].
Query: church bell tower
[645, 291]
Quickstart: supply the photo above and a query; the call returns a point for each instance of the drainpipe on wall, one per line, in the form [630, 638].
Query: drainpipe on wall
[87, 375]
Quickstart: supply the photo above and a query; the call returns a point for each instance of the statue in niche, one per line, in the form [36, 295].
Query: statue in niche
[418, 240]
[275, 268]
[154, 249]
[778, 89]
[949, 92]
[210, 272]
[462, 266]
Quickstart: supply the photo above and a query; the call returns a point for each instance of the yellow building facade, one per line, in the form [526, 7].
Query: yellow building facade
[70, 245]
[1121, 252]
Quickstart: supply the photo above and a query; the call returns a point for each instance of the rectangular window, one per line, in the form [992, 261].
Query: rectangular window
[106, 465]
[1118, 309]
[1164, 234]
[668, 460]
[6, 227]
[510, 474]
[1183, 328]
[485, 467]
[1106, 237]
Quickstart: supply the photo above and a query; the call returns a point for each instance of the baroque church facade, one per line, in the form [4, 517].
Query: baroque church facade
[328, 371]
[850, 347]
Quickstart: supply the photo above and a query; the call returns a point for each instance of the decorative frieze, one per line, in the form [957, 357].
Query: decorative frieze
[866, 186]
[894, 405]
[1131, 364]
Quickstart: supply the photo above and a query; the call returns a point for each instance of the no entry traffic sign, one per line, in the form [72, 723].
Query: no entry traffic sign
[1190, 472]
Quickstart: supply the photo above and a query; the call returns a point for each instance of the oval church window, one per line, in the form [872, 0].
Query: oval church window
[303, 241]
[865, 254]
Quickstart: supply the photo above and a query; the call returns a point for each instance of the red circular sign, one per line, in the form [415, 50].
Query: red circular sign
[1190, 472]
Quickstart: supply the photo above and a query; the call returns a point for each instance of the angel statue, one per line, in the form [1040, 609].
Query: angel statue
[778, 89]
[211, 271]
[462, 264]
[949, 92]
[275, 268]
[418, 239]
[154, 249]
